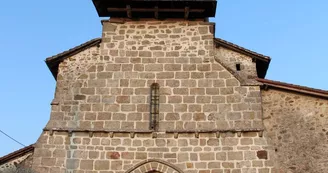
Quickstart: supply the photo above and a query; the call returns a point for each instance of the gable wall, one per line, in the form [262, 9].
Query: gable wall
[112, 89]
[106, 88]
[296, 126]
[230, 58]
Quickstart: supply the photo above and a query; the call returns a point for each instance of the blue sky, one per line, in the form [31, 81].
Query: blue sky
[293, 33]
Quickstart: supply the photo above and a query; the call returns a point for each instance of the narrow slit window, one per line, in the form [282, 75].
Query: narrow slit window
[154, 106]
[238, 67]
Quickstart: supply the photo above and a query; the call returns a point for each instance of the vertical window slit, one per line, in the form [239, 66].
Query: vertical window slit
[238, 67]
[154, 106]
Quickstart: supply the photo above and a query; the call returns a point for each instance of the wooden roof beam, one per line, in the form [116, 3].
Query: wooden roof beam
[187, 9]
[128, 11]
[154, 10]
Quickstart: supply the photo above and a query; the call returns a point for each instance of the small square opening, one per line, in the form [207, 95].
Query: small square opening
[238, 67]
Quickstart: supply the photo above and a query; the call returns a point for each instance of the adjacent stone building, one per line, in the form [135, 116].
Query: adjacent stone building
[159, 93]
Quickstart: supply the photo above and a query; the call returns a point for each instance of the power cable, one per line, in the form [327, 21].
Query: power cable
[12, 138]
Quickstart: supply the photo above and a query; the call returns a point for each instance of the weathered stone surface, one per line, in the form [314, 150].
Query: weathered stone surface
[296, 127]
[107, 88]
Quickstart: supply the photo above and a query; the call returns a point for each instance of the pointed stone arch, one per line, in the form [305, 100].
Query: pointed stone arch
[154, 165]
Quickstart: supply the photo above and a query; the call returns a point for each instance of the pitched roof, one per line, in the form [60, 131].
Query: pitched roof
[240, 49]
[295, 88]
[262, 61]
[16, 154]
[53, 61]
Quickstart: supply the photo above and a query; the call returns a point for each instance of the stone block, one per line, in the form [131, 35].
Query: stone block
[113, 155]
[213, 142]
[113, 67]
[210, 108]
[79, 97]
[104, 75]
[172, 83]
[183, 157]
[203, 67]
[188, 83]
[212, 165]
[197, 75]
[165, 75]
[123, 99]
[250, 155]
[72, 164]
[205, 83]
[232, 82]
[206, 156]
[101, 165]
[189, 67]
[48, 161]
[203, 99]
[153, 67]
[85, 107]
[228, 165]
[194, 108]
[182, 75]
[235, 155]
[222, 156]
[141, 155]
[262, 154]
[109, 27]
[86, 165]
[246, 141]
[172, 67]
[93, 154]
[203, 30]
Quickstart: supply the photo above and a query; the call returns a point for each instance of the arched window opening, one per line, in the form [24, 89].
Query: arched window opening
[154, 106]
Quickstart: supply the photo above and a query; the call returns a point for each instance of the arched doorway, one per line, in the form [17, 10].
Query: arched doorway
[154, 166]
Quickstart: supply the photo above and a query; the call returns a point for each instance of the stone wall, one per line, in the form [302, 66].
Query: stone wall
[230, 59]
[297, 129]
[19, 162]
[61, 152]
[208, 121]
[108, 87]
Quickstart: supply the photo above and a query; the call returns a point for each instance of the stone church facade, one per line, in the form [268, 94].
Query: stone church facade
[165, 95]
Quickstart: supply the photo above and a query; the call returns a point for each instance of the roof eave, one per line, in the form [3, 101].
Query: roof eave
[262, 61]
[294, 88]
[54, 61]
[16, 154]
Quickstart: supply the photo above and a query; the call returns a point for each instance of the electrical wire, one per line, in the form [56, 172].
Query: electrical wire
[12, 138]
